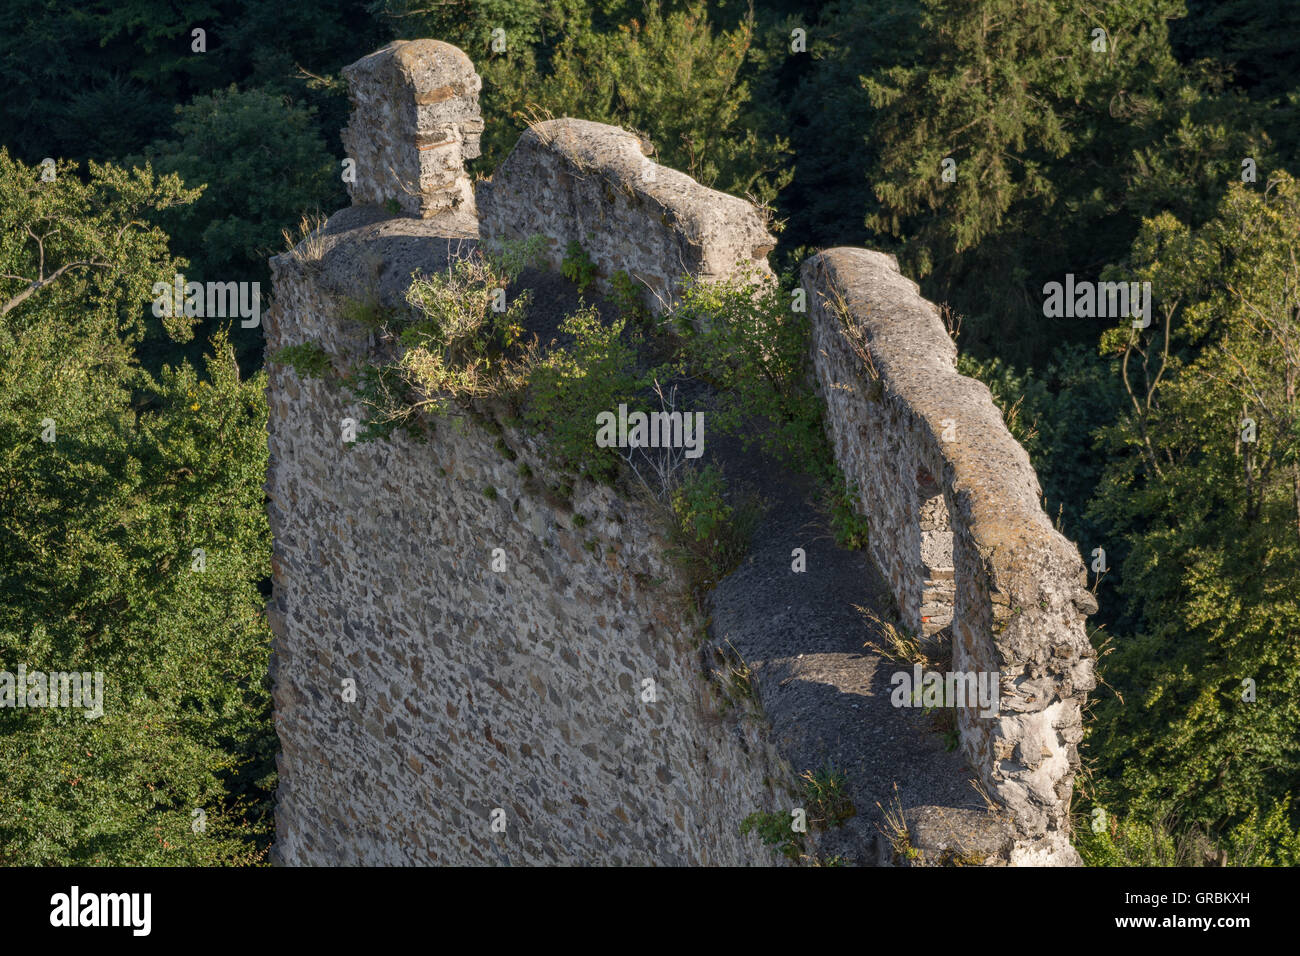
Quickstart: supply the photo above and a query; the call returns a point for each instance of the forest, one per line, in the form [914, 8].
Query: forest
[1135, 141]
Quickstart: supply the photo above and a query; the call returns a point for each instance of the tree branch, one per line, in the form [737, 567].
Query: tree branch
[39, 284]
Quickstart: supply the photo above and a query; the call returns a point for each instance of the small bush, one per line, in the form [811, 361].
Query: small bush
[702, 514]
[459, 341]
[385, 392]
[746, 341]
[826, 796]
[368, 311]
[461, 318]
[571, 386]
[308, 359]
[849, 527]
[709, 537]
[577, 266]
[457, 344]
[511, 257]
[774, 829]
[625, 293]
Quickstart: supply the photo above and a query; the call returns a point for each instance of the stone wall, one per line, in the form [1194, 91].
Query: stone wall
[476, 690]
[455, 642]
[958, 530]
[414, 122]
[571, 179]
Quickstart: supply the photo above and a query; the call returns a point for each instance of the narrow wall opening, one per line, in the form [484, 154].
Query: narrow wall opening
[937, 578]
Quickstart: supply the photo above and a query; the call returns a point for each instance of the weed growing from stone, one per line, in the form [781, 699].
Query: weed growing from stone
[577, 266]
[307, 247]
[895, 829]
[308, 359]
[736, 677]
[900, 645]
[774, 830]
[708, 536]
[895, 643]
[826, 804]
[826, 797]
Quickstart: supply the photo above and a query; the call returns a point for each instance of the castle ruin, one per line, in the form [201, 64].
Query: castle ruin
[503, 717]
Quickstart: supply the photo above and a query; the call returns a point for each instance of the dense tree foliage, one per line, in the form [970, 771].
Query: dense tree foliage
[1203, 485]
[260, 185]
[112, 479]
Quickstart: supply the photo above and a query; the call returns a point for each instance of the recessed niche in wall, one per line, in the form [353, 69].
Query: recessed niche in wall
[937, 585]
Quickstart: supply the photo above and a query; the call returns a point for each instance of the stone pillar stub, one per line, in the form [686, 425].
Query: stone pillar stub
[415, 120]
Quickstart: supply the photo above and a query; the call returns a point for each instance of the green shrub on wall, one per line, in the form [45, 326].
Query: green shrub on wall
[571, 386]
[752, 345]
[709, 536]
[577, 266]
[308, 359]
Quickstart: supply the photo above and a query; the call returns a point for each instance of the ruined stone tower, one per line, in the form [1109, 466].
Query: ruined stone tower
[469, 670]
[415, 120]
